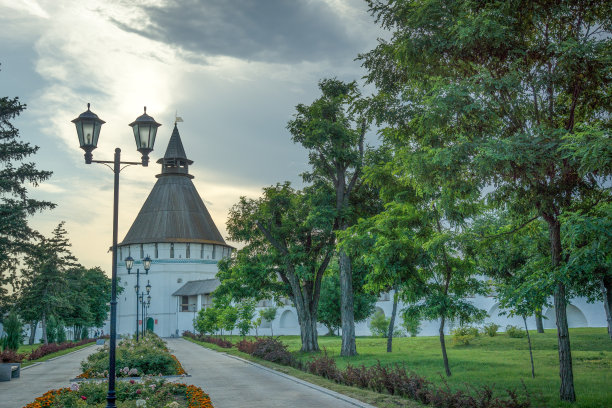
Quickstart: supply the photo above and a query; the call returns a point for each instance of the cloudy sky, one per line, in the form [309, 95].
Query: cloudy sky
[233, 69]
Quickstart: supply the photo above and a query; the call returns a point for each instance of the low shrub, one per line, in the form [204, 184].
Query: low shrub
[11, 356]
[246, 346]
[515, 332]
[324, 366]
[45, 349]
[209, 339]
[464, 335]
[490, 329]
[273, 350]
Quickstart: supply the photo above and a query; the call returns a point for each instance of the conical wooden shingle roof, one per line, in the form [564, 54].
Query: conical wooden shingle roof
[174, 211]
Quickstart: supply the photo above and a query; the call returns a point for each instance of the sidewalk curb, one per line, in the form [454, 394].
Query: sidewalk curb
[323, 390]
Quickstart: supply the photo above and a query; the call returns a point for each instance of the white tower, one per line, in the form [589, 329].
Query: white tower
[176, 231]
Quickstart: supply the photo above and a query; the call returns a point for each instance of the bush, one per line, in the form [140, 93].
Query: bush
[515, 332]
[324, 366]
[11, 356]
[412, 325]
[45, 349]
[464, 335]
[273, 350]
[246, 346]
[12, 326]
[490, 329]
[379, 325]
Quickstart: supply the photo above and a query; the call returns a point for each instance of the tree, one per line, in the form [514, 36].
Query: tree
[329, 306]
[588, 238]
[246, 311]
[269, 314]
[288, 247]
[12, 327]
[208, 320]
[44, 276]
[15, 205]
[228, 318]
[509, 94]
[333, 133]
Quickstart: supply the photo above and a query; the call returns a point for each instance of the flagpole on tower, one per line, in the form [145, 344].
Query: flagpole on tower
[177, 118]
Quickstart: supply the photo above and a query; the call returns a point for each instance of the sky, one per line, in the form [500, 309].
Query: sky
[234, 70]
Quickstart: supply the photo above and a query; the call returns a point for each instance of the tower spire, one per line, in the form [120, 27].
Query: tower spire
[175, 159]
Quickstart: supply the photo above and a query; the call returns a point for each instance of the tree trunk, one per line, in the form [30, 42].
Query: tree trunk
[530, 352]
[44, 328]
[606, 292]
[539, 323]
[566, 373]
[443, 345]
[33, 327]
[347, 312]
[392, 323]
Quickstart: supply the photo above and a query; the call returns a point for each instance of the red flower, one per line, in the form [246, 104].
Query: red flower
[138, 391]
[132, 381]
[83, 397]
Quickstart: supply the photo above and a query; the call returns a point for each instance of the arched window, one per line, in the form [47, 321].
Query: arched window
[171, 250]
[188, 251]
[214, 251]
[202, 251]
[141, 251]
[156, 251]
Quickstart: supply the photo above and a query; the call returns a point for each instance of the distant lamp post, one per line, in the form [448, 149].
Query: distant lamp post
[88, 126]
[129, 263]
[144, 305]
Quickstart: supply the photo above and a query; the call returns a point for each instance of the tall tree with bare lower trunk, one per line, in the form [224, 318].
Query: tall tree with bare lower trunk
[289, 243]
[513, 95]
[333, 133]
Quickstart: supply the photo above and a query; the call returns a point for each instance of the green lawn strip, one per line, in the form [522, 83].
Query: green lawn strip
[367, 396]
[52, 355]
[499, 361]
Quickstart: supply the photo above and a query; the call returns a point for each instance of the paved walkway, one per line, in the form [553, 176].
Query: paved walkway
[231, 382]
[235, 383]
[35, 380]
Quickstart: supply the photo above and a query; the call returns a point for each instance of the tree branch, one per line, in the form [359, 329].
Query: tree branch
[271, 239]
[358, 167]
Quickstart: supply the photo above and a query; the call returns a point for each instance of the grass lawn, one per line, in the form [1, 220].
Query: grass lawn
[500, 361]
[27, 349]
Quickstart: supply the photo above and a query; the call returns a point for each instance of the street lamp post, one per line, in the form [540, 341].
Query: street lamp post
[144, 305]
[88, 126]
[129, 263]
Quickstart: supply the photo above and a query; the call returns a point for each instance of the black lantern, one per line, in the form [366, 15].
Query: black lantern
[136, 288]
[148, 287]
[145, 130]
[149, 300]
[129, 262]
[147, 263]
[88, 126]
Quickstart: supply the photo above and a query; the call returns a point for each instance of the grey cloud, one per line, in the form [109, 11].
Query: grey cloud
[265, 30]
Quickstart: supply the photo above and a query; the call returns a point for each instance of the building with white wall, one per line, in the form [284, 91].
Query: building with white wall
[176, 231]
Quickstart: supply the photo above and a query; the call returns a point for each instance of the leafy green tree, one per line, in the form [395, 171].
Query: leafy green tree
[246, 312]
[379, 324]
[208, 320]
[333, 133]
[329, 305]
[288, 247]
[12, 327]
[44, 276]
[588, 238]
[269, 314]
[228, 318]
[15, 204]
[511, 94]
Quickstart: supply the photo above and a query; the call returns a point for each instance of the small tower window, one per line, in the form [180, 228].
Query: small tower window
[171, 250]
[121, 253]
[141, 251]
[156, 251]
[201, 251]
[188, 251]
[214, 251]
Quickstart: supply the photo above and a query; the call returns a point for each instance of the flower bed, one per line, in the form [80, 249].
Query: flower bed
[151, 393]
[209, 339]
[148, 356]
